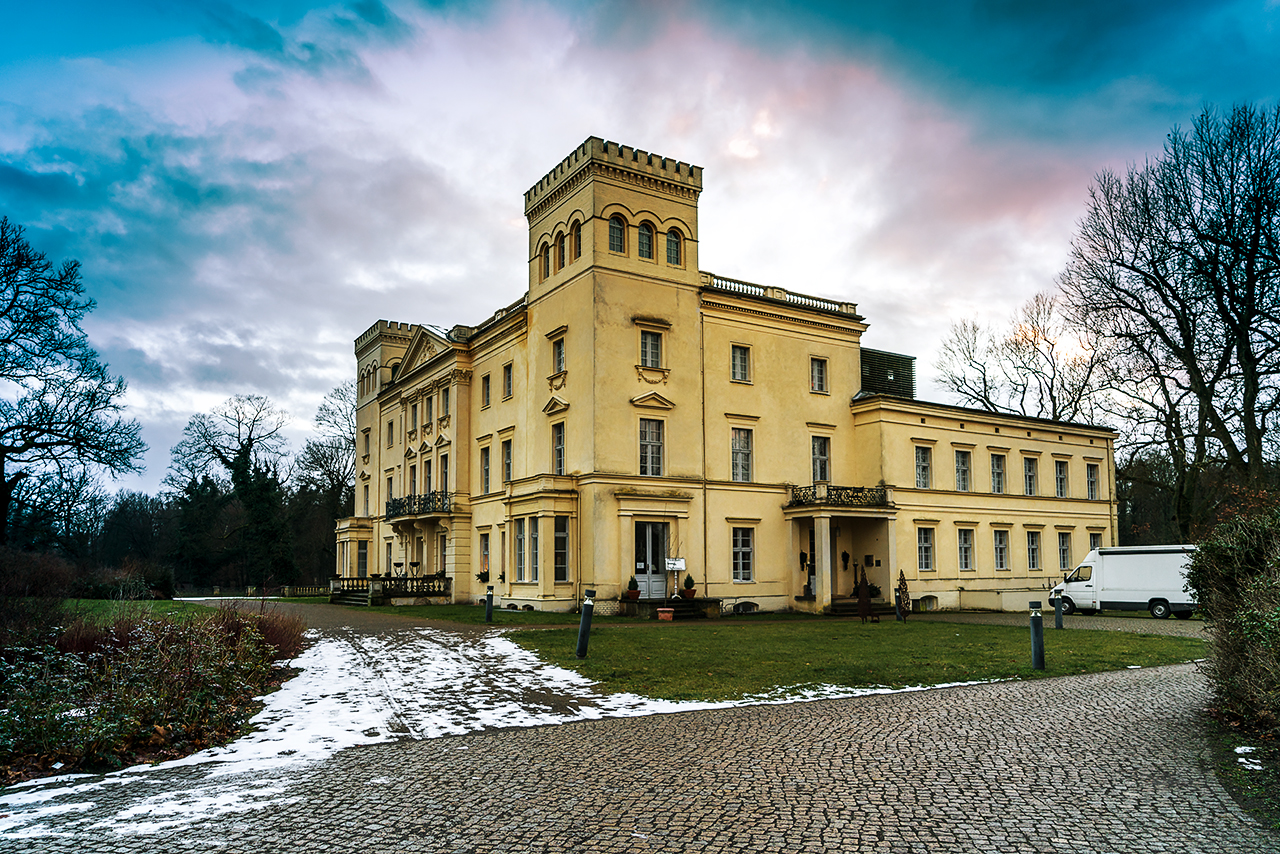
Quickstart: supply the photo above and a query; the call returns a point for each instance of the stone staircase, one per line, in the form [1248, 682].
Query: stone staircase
[848, 607]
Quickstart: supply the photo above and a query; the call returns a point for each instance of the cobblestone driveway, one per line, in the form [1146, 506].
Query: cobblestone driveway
[1089, 764]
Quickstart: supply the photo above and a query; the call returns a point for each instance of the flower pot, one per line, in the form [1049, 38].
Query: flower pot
[633, 594]
[688, 592]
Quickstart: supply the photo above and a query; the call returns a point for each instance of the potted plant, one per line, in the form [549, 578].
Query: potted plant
[633, 588]
[483, 576]
[688, 592]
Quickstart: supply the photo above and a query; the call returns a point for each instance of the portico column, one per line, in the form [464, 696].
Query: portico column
[822, 560]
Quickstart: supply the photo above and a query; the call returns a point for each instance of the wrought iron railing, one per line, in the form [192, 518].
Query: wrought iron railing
[428, 585]
[839, 496]
[418, 505]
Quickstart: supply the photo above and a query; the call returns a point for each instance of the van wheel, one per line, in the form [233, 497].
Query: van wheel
[1160, 610]
[1182, 615]
[1068, 607]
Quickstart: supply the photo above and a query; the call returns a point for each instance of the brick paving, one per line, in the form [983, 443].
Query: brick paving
[1092, 764]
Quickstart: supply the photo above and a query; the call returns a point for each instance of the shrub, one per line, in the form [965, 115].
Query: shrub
[1235, 575]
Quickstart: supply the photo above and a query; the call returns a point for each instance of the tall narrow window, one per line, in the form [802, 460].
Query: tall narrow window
[506, 461]
[1001, 549]
[413, 481]
[924, 466]
[561, 556]
[484, 471]
[924, 549]
[533, 548]
[366, 500]
[426, 475]
[444, 401]
[557, 355]
[650, 447]
[557, 448]
[743, 554]
[484, 552]
[740, 454]
[1064, 550]
[650, 349]
[413, 416]
[964, 553]
[740, 364]
[559, 251]
[519, 544]
[444, 472]
[617, 232]
[506, 381]
[1029, 466]
[390, 484]
[544, 266]
[818, 375]
[1060, 478]
[1091, 478]
[484, 391]
[997, 474]
[644, 245]
[963, 459]
[362, 558]
[821, 446]
[386, 567]
[577, 240]
[391, 432]
[430, 405]
[674, 247]
[1033, 550]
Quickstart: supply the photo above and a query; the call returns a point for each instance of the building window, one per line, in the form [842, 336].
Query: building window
[1095, 541]
[1033, 550]
[1000, 543]
[617, 233]
[740, 363]
[924, 549]
[559, 251]
[818, 376]
[557, 355]
[963, 459]
[557, 448]
[924, 462]
[444, 401]
[391, 432]
[560, 559]
[674, 250]
[740, 455]
[386, 568]
[484, 471]
[650, 447]
[576, 231]
[1064, 550]
[426, 475]
[964, 554]
[544, 267]
[444, 472]
[1029, 466]
[533, 548]
[997, 474]
[366, 443]
[1060, 478]
[484, 552]
[821, 446]
[413, 481]
[743, 554]
[519, 543]
[366, 500]
[644, 246]
[484, 391]
[1091, 478]
[506, 461]
[506, 381]
[413, 416]
[430, 405]
[443, 551]
[650, 349]
[390, 484]
[362, 558]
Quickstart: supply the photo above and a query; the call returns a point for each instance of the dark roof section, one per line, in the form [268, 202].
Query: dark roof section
[888, 373]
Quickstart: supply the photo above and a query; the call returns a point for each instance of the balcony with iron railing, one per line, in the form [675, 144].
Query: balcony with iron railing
[422, 504]
[830, 495]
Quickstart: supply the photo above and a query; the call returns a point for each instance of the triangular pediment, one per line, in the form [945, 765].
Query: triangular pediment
[410, 452]
[425, 447]
[441, 441]
[652, 400]
[555, 404]
[422, 346]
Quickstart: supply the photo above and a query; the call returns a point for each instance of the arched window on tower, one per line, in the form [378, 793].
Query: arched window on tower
[645, 243]
[675, 250]
[559, 251]
[546, 261]
[617, 229]
[576, 231]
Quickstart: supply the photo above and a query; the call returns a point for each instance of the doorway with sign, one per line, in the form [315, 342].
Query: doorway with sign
[651, 559]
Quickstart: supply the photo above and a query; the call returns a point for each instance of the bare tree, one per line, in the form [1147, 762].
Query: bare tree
[246, 425]
[59, 406]
[1037, 366]
[328, 462]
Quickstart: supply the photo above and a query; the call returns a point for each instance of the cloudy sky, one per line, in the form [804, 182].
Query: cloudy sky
[249, 185]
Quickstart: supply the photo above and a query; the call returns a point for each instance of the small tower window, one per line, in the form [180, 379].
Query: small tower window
[560, 252]
[674, 244]
[646, 241]
[576, 231]
[616, 231]
[546, 260]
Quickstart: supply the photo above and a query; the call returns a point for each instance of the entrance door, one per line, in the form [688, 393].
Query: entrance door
[651, 559]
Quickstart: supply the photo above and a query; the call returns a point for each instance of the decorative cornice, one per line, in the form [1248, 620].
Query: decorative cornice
[652, 376]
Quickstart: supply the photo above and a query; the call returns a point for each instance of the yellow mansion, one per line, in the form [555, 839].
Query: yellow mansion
[630, 408]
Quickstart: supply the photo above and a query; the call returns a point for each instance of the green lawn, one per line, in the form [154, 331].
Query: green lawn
[109, 608]
[720, 661]
[474, 614]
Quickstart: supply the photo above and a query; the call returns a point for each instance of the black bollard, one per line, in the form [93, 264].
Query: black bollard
[584, 629]
[1037, 637]
[1057, 612]
[488, 604]
[897, 605]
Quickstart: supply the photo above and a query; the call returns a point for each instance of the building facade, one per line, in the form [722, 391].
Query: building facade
[630, 408]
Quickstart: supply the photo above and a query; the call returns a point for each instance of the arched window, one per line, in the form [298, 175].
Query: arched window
[559, 251]
[577, 240]
[674, 244]
[546, 261]
[645, 243]
[617, 228]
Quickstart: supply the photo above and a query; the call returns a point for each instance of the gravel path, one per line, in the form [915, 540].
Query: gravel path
[1091, 764]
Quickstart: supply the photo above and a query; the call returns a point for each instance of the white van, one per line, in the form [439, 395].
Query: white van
[1129, 578]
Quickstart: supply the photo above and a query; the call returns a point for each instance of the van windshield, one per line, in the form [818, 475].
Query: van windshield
[1083, 572]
